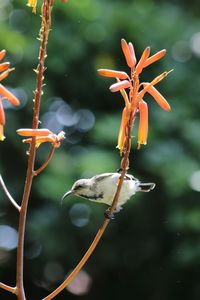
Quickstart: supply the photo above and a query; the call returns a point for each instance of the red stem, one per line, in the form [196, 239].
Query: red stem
[44, 32]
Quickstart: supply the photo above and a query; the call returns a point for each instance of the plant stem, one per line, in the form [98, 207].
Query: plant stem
[44, 32]
[10, 198]
[51, 153]
[93, 245]
[8, 288]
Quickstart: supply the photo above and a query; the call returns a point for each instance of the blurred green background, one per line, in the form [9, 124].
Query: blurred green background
[152, 249]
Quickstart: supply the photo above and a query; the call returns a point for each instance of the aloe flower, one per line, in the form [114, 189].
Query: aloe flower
[133, 91]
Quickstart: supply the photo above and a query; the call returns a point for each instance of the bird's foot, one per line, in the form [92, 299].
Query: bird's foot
[108, 215]
[111, 216]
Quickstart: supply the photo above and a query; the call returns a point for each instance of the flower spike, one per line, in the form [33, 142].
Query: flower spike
[133, 97]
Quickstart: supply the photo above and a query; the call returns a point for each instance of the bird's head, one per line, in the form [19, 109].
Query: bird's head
[79, 188]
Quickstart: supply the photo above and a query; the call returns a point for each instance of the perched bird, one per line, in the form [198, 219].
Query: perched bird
[101, 188]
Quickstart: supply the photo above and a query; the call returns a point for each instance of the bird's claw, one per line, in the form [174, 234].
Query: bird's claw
[108, 215]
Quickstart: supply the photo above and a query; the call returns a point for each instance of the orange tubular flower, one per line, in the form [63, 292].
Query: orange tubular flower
[4, 93]
[2, 54]
[122, 131]
[154, 57]
[2, 114]
[120, 85]
[143, 124]
[128, 53]
[162, 102]
[33, 132]
[142, 61]
[42, 136]
[112, 73]
[2, 137]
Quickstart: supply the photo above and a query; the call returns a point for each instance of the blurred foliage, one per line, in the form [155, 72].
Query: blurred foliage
[152, 249]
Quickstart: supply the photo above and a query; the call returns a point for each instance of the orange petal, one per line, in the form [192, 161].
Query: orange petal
[2, 137]
[40, 140]
[122, 131]
[132, 51]
[34, 132]
[120, 85]
[112, 73]
[130, 59]
[155, 57]
[142, 61]
[2, 54]
[2, 114]
[158, 97]
[4, 75]
[4, 66]
[8, 95]
[143, 124]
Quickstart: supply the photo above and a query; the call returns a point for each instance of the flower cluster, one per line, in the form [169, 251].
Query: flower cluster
[133, 91]
[42, 136]
[4, 93]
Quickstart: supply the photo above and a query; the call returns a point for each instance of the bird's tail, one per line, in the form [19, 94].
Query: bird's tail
[146, 187]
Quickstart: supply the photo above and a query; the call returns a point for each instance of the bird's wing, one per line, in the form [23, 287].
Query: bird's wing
[100, 177]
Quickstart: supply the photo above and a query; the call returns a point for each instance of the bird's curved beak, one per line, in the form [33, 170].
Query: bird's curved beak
[66, 194]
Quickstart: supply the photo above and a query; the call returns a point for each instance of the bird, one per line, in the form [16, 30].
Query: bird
[101, 188]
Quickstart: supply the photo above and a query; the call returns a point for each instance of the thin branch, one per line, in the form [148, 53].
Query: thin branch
[8, 288]
[92, 247]
[10, 198]
[51, 153]
[44, 32]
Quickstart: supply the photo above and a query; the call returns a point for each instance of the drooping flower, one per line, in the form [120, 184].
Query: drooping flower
[5, 93]
[143, 124]
[42, 136]
[133, 91]
[32, 4]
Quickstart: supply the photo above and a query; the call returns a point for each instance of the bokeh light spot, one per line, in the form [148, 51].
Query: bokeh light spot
[81, 284]
[79, 214]
[8, 237]
[194, 181]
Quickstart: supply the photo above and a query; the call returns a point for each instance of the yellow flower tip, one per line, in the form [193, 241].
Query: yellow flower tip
[128, 53]
[120, 85]
[112, 73]
[32, 4]
[155, 57]
[2, 137]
